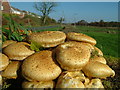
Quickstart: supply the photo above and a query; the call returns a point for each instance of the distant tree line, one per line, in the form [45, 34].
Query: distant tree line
[101, 23]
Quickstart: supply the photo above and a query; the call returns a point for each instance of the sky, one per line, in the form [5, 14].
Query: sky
[76, 11]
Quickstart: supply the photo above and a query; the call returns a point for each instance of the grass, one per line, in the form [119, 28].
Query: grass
[93, 28]
[50, 29]
[108, 43]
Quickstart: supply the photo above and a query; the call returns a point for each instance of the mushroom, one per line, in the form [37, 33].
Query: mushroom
[99, 59]
[40, 84]
[18, 51]
[11, 71]
[1, 80]
[72, 56]
[40, 67]
[80, 37]
[98, 69]
[71, 80]
[8, 42]
[95, 83]
[47, 38]
[4, 61]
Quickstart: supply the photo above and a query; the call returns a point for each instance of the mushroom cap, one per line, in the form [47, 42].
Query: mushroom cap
[11, 71]
[74, 74]
[80, 37]
[18, 51]
[95, 83]
[71, 80]
[98, 69]
[99, 59]
[41, 84]
[40, 67]
[4, 61]
[8, 42]
[47, 38]
[72, 55]
[87, 81]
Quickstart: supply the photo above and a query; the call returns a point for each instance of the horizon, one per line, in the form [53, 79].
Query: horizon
[77, 11]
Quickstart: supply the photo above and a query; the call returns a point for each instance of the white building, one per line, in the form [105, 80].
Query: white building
[13, 11]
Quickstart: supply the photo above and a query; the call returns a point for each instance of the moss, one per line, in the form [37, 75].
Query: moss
[5, 84]
[107, 84]
[113, 62]
[114, 82]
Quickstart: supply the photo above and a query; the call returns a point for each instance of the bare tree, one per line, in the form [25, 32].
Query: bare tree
[45, 8]
[61, 20]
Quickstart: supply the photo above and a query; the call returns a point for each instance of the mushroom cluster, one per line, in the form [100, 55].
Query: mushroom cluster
[68, 61]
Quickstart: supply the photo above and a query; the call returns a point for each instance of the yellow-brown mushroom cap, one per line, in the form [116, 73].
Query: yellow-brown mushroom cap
[70, 80]
[8, 42]
[1, 80]
[18, 51]
[11, 71]
[47, 38]
[98, 69]
[99, 59]
[95, 83]
[72, 55]
[4, 61]
[80, 37]
[41, 84]
[40, 67]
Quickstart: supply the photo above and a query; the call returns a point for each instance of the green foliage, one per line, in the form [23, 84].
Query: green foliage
[16, 36]
[94, 53]
[13, 31]
[36, 47]
[5, 84]
[3, 38]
